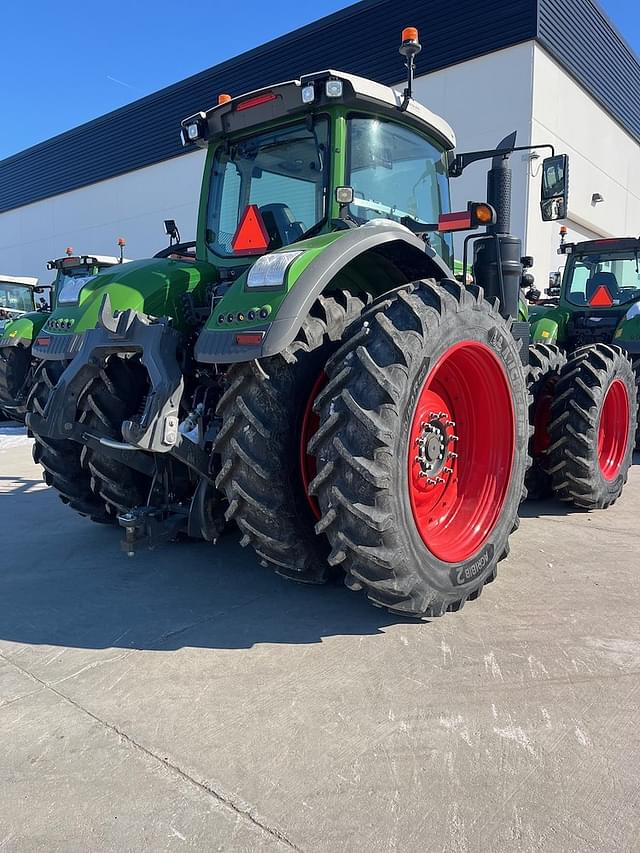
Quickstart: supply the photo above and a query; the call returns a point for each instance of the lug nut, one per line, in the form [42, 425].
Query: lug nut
[451, 423]
[447, 470]
[453, 438]
[452, 455]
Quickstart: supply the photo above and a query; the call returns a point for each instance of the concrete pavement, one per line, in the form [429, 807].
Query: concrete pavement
[189, 699]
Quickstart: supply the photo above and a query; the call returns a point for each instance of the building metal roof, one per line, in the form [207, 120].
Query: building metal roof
[361, 39]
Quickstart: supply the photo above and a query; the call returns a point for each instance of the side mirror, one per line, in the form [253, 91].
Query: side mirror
[555, 187]
[171, 230]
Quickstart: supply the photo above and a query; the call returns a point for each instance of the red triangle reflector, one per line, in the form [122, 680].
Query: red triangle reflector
[251, 237]
[601, 298]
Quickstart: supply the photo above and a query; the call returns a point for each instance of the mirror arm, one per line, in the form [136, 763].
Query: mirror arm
[461, 161]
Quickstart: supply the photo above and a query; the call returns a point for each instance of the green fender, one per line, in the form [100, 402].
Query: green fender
[627, 334]
[23, 329]
[151, 286]
[523, 309]
[375, 258]
[548, 324]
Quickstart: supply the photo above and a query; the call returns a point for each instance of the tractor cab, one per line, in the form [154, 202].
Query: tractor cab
[325, 153]
[17, 297]
[602, 274]
[596, 299]
[74, 271]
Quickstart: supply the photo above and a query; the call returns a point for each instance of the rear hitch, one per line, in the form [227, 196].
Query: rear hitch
[149, 526]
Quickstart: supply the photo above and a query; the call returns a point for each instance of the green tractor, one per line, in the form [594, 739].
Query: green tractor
[586, 329]
[19, 311]
[313, 373]
[22, 326]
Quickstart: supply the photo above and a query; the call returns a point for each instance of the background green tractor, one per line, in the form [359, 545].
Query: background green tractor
[22, 313]
[587, 328]
[315, 363]
[17, 337]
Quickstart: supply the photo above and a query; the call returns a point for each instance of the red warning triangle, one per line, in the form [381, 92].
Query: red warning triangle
[601, 298]
[251, 237]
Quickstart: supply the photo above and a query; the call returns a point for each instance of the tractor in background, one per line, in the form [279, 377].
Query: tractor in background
[591, 314]
[313, 373]
[17, 301]
[22, 327]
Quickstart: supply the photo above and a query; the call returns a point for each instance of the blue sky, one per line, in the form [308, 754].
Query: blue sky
[63, 63]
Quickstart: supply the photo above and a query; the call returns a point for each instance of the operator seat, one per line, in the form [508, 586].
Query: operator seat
[281, 225]
[602, 279]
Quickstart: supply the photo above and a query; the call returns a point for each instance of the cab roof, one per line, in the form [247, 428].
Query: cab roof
[283, 99]
[105, 260]
[28, 281]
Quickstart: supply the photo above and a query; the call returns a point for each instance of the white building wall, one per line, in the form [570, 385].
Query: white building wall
[91, 219]
[484, 100]
[603, 158]
[520, 88]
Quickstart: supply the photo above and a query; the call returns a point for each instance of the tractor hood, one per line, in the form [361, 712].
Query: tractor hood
[154, 286]
[22, 329]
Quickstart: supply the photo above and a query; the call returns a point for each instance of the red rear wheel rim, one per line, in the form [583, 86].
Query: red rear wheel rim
[461, 451]
[613, 430]
[310, 424]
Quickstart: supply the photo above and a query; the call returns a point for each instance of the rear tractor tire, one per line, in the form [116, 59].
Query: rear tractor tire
[267, 419]
[15, 367]
[60, 458]
[422, 448]
[545, 364]
[593, 427]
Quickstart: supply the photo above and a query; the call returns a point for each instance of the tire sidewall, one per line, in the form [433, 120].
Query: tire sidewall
[471, 572]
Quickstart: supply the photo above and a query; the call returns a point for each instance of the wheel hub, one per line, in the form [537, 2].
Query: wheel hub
[435, 457]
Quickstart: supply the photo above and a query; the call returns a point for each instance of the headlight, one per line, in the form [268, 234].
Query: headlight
[308, 94]
[333, 88]
[269, 270]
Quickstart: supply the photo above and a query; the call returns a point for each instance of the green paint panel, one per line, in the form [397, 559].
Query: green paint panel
[25, 327]
[153, 286]
[239, 300]
[548, 328]
[628, 330]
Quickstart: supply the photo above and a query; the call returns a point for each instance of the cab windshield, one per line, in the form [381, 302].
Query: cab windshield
[16, 297]
[397, 173]
[610, 278]
[283, 172]
[71, 281]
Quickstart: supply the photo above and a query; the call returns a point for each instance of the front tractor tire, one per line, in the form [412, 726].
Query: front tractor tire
[15, 369]
[61, 458]
[545, 364]
[113, 396]
[593, 427]
[267, 420]
[422, 448]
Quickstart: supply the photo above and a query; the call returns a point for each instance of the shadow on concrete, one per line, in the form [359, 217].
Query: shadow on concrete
[65, 581]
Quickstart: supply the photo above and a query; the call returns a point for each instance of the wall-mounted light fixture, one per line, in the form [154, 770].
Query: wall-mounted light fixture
[596, 198]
